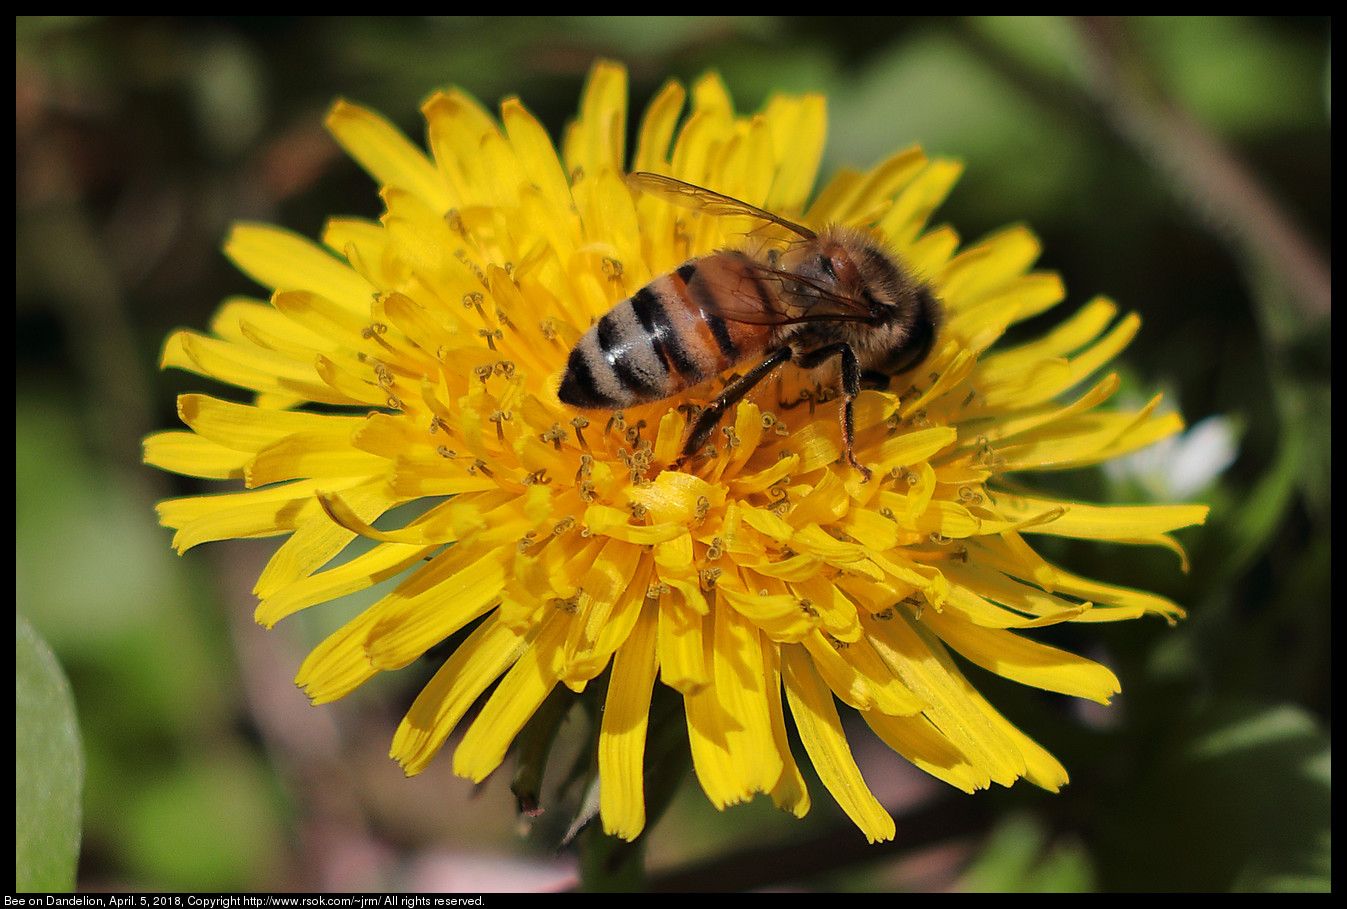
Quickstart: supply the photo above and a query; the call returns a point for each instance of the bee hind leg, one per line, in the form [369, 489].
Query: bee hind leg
[851, 386]
[712, 413]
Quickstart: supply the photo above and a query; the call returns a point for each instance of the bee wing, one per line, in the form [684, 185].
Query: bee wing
[810, 300]
[699, 198]
[740, 290]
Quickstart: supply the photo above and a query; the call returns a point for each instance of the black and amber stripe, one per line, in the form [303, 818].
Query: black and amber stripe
[665, 338]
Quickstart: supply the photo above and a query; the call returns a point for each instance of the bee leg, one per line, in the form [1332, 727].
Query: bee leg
[710, 416]
[851, 386]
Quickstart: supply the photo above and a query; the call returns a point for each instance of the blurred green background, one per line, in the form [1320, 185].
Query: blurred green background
[1180, 166]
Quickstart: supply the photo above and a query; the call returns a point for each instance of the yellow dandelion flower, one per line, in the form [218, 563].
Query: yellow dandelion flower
[765, 574]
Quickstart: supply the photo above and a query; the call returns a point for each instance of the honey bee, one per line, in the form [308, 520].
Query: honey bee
[834, 296]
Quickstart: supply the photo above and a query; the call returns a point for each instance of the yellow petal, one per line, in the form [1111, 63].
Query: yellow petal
[281, 260]
[608, 600]
[622, 735]
[246, 428]
[338, 665]
[778, 615]
[918, 740]
[990, 266]
[682, 653]
[327, 453]
[452, 590]
[249, 367]
[790, 793]
[472, 668]
[741, 685]
[657, 128]
[595, 142]
[811, 705]
[245, 515]
[386, 154]
[537, 157]
[918, 199]
[193, 455]
[519, 694]
[315, 543]
[364, 571]
[1119, 523]
[951, 702]
[799, 127]
[1025, 661]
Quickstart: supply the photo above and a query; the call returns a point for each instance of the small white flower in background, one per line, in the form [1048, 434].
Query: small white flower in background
[1183, 466]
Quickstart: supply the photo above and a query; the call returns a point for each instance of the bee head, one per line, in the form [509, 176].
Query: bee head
[903, 313]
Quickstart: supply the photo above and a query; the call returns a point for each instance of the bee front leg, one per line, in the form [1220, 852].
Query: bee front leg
[851, 386]
[711, 414]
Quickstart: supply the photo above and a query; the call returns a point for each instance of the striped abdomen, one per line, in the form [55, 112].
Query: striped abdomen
[663, 339]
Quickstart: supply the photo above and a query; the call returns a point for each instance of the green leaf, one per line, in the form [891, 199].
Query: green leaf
[48, 768]
[1019, 857]
[1240, 799]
